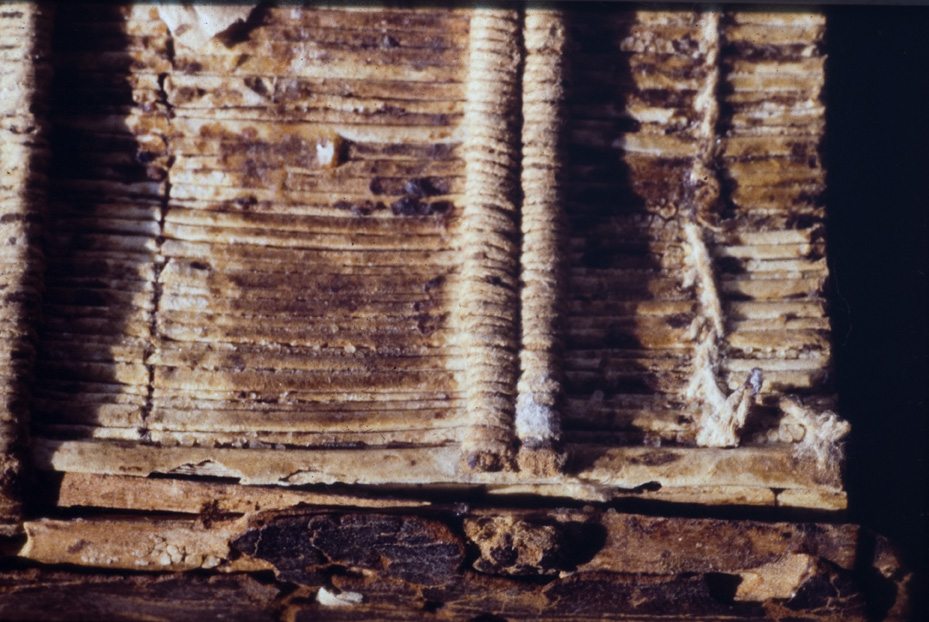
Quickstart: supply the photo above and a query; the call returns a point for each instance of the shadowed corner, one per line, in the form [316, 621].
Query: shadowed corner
[600, 192]
[107, 195]
[24, 156]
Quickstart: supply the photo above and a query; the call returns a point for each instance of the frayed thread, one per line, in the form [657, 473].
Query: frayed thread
[701, 275]
[820, 434]
[722, 417]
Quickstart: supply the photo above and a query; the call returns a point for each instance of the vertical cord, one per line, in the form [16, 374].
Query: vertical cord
[487, 314]
[540, 383]
[720, 418]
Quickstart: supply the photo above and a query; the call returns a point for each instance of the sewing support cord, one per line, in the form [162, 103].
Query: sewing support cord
[487, 315]
[538, 423]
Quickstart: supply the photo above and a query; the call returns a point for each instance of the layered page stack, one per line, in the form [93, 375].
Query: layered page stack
[23, 182]
[576, 254]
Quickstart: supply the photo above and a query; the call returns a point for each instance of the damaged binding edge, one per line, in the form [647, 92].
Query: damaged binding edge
[721, 417]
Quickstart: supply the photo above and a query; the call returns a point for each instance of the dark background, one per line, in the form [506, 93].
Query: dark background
[877, 106]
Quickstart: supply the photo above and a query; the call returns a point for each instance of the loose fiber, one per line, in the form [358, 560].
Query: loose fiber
[818, 436]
